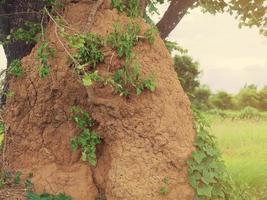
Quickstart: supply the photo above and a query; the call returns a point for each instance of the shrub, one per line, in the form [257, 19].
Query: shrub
[249, 113]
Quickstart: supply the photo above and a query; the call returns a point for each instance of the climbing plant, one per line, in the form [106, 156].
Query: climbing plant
[207, 172]
[87, 139]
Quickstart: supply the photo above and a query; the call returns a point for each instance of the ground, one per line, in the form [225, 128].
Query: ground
[244, 147]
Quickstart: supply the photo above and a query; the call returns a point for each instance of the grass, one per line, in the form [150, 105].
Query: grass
[243, 144]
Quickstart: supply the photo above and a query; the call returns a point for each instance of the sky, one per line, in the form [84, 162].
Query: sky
[229, 57]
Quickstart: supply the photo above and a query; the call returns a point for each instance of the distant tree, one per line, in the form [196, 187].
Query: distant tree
[248, 96]
[200, 97]
[188, 72]
[263, 99]
[222, 100]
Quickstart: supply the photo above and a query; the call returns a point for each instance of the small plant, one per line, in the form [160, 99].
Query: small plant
[173, 46]
[133, 8]
[17, 178]
[123, 39]
[130, 77]
[150, 34]
[9, 93]
[44, 52]
[15, 68]
[164, 189]
[10, 178]
[89, 78]
[89, 48]
[88, 139]
[118, 4]
[46, 196]
[100, 198]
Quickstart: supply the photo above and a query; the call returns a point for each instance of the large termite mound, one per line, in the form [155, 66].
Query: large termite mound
[146, 139]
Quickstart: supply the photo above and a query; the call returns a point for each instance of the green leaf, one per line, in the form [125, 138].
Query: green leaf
[138, 91]
[84, 156]
[198, 156]
[87, 80]
[204, 190]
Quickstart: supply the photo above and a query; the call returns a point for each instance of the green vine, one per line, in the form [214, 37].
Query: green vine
[207, 172]
[88, 139]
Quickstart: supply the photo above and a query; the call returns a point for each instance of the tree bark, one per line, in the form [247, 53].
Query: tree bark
[175, 12]
[13, 14]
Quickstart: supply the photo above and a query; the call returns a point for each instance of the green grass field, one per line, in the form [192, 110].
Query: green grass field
[243, 144]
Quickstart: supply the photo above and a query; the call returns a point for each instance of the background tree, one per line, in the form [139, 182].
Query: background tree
[187, 71]
[263, 99]
[248, 96]
[222, 100]
[200, 97]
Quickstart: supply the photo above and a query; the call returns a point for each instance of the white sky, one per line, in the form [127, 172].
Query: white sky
[229, 56]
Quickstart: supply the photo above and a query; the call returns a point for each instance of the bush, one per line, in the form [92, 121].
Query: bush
[249, 113]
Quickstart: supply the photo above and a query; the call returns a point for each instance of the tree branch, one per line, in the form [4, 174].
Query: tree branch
[175, 12]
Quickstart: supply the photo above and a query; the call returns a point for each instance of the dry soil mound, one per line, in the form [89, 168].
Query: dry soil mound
[146, 139]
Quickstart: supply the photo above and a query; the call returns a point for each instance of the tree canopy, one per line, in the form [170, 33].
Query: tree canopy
[248, 12]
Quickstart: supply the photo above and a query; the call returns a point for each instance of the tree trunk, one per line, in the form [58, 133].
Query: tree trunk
[175, 12]
[13, 14]
[146, 140]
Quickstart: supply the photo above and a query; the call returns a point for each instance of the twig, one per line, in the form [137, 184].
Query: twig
[65, 49]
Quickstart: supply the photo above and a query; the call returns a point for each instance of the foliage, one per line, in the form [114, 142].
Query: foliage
[249, 113]
[249, 13]
[262, 94]
[28, 33]
[222, 100]
[126, 77]
[187, 71]
[123, 39]
[150, 34]
[9, 93]
[88, 46]
[132, 7]
[46, 196]
[174, 47]
[248, 96]
[15, 68]
[44, 52]
[207, 172]
[88, 139]
[119, 5]
[164, 190]
[9, 178]
[200, 97]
